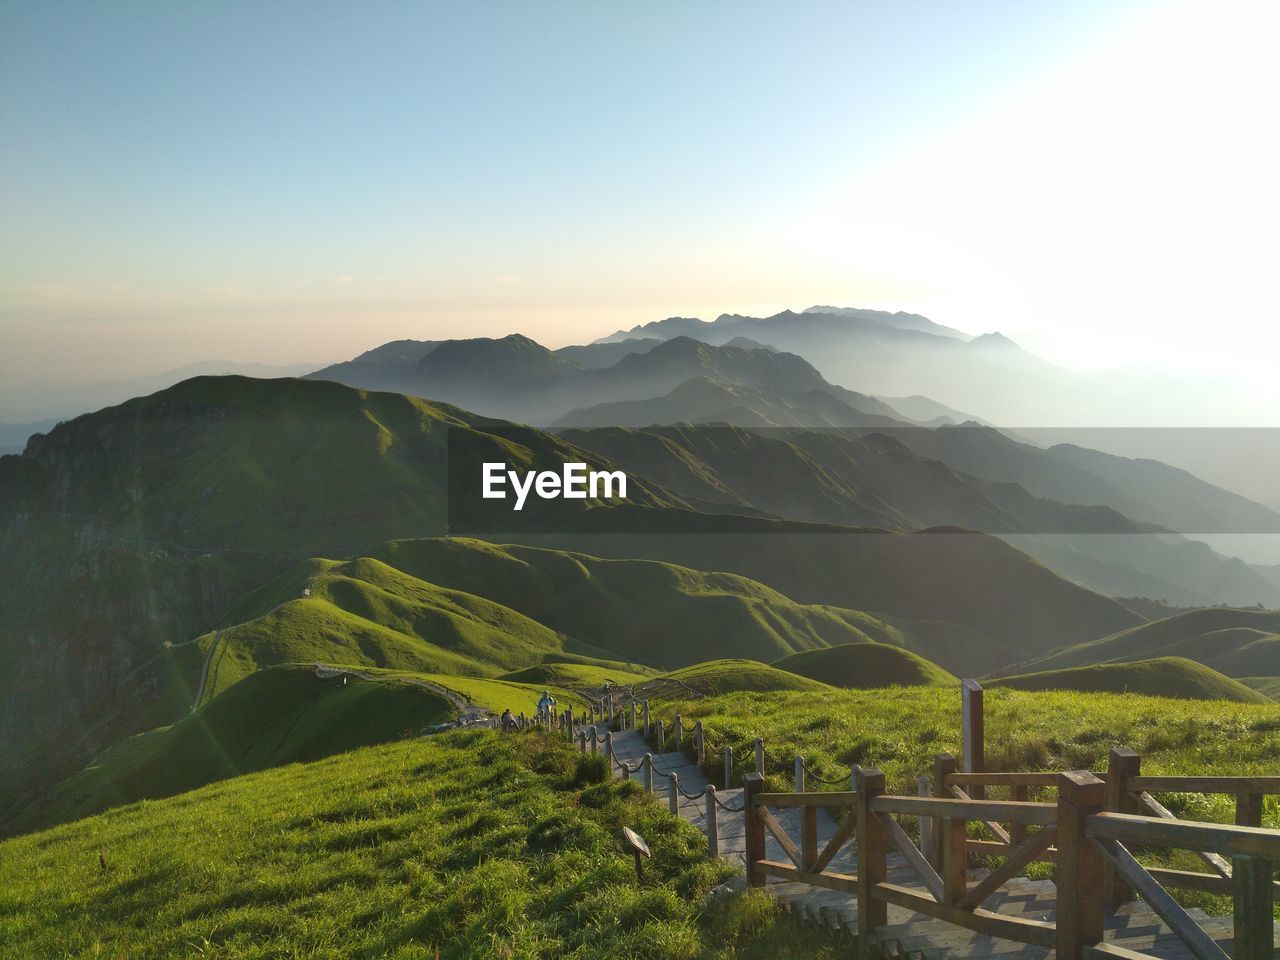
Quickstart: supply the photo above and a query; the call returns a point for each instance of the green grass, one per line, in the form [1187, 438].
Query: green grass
[1239, 643]
[901, 729]
[1163, 676]
[464, 845]
[278, 715]
[1269, 686]
[661, 614]
[865, 665]
[580, 674]
[734, 676]
[476, 609]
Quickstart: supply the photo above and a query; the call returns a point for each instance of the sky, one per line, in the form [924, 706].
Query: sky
[294, 182]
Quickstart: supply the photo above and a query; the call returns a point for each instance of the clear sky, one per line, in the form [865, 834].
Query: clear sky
[301, 181]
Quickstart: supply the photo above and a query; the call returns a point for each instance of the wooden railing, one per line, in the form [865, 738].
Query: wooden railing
[1077, 830]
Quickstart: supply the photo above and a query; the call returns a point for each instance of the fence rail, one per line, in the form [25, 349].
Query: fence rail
[1088, 826]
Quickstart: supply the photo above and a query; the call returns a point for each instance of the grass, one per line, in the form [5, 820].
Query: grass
[661, 614]
[476, 609]
[735, 676]
[1164, 676]
[464, 845]
[580, 674]
[866, 665]
[1239, 643]
[901, 730]
[1269, 686]
[279, 715]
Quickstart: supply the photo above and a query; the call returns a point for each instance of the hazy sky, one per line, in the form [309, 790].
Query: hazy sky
[296, 181]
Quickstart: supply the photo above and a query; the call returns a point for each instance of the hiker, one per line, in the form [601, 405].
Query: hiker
[545, 703]
[508, 721]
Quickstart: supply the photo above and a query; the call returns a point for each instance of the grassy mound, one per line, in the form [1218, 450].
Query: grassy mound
[732, 676]
[1239, 643]
[580, 674]
[1162, 676]
[466, 845]
[277, 716]
[865, 665]
[657, 613]
[1268, 686]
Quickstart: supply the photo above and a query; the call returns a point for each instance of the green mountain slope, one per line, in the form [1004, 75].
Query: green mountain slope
[650, 612]
[1162, 676]
[277, 715]
[864, 665]
[972, 581]
[465, 845]
[1238, 643]
[728, 676]
[133, 527]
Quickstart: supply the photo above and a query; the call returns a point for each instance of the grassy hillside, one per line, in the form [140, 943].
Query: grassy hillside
[969, 580]
[1239, 643]
[729, 676]
[466, 845]
[657, 613]
[134, 526]
[276, 716]
[1268, 686]
[580, 674]
[1162, 676]
[865, 665]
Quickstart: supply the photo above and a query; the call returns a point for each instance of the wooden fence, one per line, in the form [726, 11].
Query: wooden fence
[1089, 829]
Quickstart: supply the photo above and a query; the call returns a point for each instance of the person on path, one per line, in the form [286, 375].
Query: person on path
[508, 721]
[545, 703]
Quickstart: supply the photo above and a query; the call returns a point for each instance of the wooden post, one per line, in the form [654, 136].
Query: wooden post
[873, 867]
[972, 733]
[1080, 865]
[808, 837]
[760, 756]
[799, 775]
[955, 859]
[582, 741]
[674, 799]
[713, 823]
[646, 719]
[753, 785]
[928, 843]
[699, 744]
[568, 721]
[1018, 831]
[679, 732]
[728, 767]
[1249, 810]
[608, 749]
[1253, 895]
[631, 716]
[648, 774]
[944, 764]
[1122, 763]
[660, 735]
